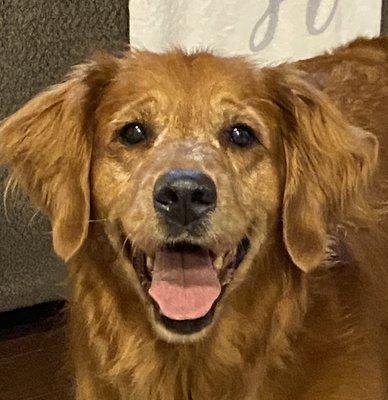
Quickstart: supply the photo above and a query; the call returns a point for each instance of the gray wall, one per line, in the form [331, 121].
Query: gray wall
[39, 41]
[384, 21]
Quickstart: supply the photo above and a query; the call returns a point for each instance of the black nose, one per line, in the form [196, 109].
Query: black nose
[184, 196]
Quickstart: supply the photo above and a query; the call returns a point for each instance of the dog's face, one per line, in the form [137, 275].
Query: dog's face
[184, 167]
[193, 163]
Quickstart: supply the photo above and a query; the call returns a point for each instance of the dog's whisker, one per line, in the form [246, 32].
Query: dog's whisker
[124, 244]
[36, 213]
[9, 192]
[98, 220]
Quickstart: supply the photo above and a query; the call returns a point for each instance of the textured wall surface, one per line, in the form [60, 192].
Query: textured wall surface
[384, 21]
[39, 41]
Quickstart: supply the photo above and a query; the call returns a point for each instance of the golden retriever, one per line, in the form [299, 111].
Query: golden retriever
[220, 221]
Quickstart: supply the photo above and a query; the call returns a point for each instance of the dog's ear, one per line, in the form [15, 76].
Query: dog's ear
[328, 165]
[47, 147]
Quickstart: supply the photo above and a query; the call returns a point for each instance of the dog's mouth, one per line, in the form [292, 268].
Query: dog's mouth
[185, 282]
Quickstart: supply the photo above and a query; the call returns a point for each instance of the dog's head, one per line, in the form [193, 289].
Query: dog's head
[194, 163]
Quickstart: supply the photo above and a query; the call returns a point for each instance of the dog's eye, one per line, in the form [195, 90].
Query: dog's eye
[242, 135]
[132, 133]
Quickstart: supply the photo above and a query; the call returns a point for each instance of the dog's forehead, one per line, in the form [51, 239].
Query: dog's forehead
[186, 77]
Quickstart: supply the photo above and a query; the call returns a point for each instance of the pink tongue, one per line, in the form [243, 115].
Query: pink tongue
[184, 284]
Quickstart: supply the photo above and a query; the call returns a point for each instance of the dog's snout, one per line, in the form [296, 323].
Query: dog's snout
[184, 196]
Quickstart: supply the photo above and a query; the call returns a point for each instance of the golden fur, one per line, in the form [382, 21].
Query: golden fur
[303, 317]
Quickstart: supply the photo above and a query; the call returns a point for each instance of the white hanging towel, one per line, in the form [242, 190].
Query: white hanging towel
[270, 30]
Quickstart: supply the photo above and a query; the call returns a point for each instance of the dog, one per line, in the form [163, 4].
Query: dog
[223, 222]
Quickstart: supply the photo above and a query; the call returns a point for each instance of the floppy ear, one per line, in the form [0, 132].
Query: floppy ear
[47, 146]
[328, 168]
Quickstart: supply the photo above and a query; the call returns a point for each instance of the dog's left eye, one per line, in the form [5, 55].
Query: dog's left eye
[132, 133]
[242, 135]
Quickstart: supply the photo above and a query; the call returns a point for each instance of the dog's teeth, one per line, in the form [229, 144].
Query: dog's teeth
[229, 256]
[150, 263]
[218, 262]
[229, 276]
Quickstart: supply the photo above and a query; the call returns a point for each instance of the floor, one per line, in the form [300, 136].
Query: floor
[33, 354]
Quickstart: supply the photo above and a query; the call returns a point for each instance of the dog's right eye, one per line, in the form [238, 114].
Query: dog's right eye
[132, 133]
[242, 135]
